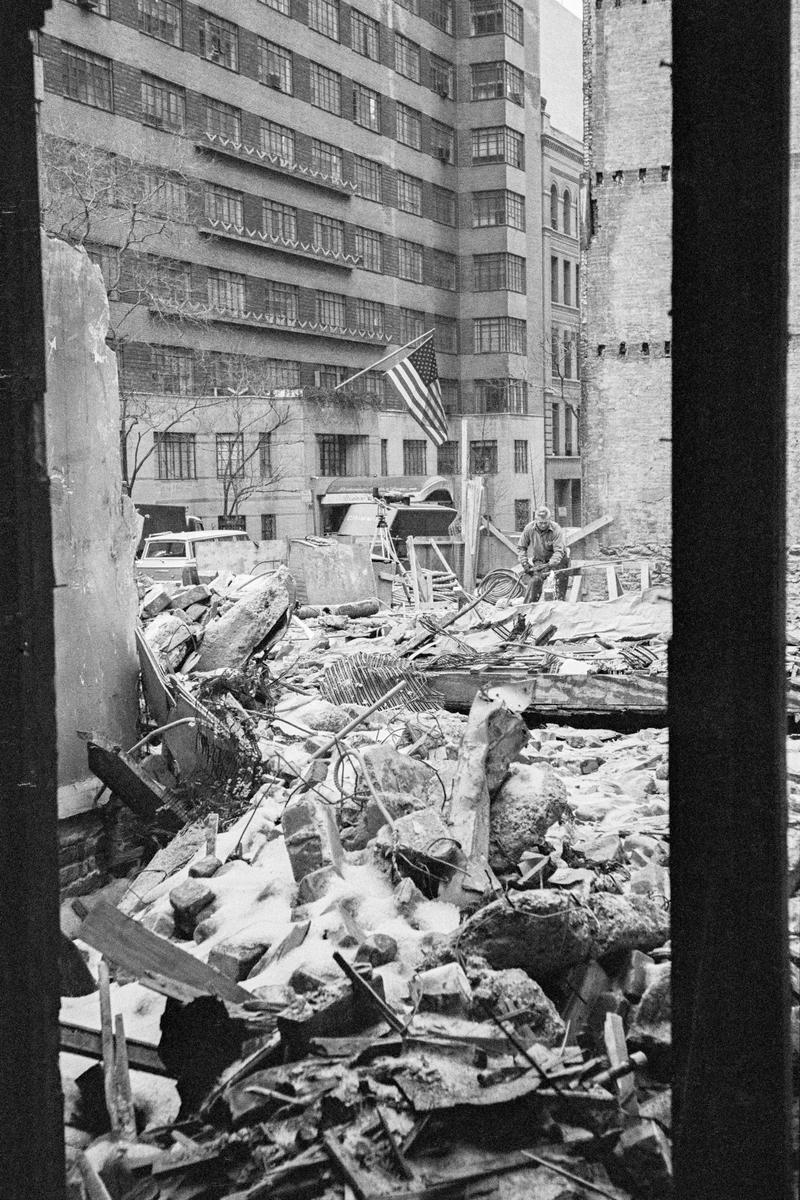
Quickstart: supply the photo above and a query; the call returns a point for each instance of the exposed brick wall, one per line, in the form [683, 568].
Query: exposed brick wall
[627, 276]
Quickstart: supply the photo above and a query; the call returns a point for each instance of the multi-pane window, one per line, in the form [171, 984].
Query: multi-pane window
[409, 260]
[412, 324]
[330, 376]
[483, 458]
[569, 354]
[268, 527]
[384, 456]
[369, 248]
[409, 193]
[409, 126]
[107, 258]
[173, 369]
[406, 57]
[447, 456]
[230, 454]
[364, 35]
[554, 207]
[449, 389]
[370, 315]
[498, 272]
[326, 159]
[162, 20]
[498, 143]
[441, 15]
[499, 335]
[281, 6]
[226, 291]
[368, 178]
[570, 441]
[161, 279]
[444, 270]
[366, 107]
[280, 373]
[501, 395]
[219, 40]
[223, 120]
[411, 5]
[522, 514]
[175, 455]
[372, 386]
[323, 15]
[331, 311]
[328, 234]
[442, 77]
[224, 204]
[445, 337]
[265, 455]
[326, 89]
[278, 141]
[275, 66]
[415, 456]
[567, 288]
[281, 302]
[161, 195]
[495, 16]
[343, 453]
[498, 208]
[444, 205]
[87, 78]
[520, 457]
[280, 220]
[553, 280]
[163, 104]
[495, 80]
[443, 141]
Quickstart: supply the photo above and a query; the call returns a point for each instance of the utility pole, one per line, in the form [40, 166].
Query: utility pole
[30, 1091]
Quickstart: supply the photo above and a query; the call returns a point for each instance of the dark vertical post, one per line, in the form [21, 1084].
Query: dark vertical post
[31, 1130]
[727, 690]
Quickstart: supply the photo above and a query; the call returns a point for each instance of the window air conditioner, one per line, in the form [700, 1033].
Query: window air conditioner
[444, 92]
[88, 5]
[443, 154]
[274, 81]
[516, 97]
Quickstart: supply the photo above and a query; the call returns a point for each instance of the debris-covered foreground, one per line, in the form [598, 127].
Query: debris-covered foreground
[384, 949]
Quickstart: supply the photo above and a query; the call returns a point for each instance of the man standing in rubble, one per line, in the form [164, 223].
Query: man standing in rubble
[542, 549]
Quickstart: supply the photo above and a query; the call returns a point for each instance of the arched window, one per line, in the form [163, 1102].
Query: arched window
[567, 222]
[554, 207]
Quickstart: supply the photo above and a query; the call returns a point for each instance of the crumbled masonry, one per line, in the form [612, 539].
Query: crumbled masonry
[400, 935]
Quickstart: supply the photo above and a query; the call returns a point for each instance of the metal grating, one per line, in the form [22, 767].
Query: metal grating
[364, 678]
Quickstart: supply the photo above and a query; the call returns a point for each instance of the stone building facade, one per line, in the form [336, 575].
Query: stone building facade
[335, 182]
[627, 218]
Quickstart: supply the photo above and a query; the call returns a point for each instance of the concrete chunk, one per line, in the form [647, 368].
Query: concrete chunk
[530, 800]
[155, 600]
[236, 961]
[205, 868]
[253, 623]
[188, 900]
[198, 593]
[544, 933]
[627, 923]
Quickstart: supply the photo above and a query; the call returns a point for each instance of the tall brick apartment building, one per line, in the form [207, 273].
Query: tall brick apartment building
[627, 270]
[337, 180]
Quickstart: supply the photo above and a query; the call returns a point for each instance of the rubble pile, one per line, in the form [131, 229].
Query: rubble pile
[428, 955]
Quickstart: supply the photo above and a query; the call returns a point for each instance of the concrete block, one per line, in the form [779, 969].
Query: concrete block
[205, 868]
[315, 885]
[236, 961]
[188, 900]
[155, 600]
[188, 596]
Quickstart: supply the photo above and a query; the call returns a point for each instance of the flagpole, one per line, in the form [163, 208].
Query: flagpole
[385, 358]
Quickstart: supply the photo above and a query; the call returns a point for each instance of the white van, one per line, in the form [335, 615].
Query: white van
[209, 551]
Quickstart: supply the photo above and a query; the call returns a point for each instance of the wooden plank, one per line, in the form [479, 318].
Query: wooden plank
[449, 569]
[122, 1078]
[107, 1041]
[413, 571]
[612, 583]
[156, 962]
[501, 537]
[587, 530]
[644, 575]
[575, 588]
[617, 1051]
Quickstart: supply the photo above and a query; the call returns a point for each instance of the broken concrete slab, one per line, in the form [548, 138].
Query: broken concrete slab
[236, 961]
[155, 600]
[169, 636]
[512, 989]
[306, 832]
[651, 1027]
[627, 923]
[531, 799]
[545, 932]
[187, 597]
[253, 623]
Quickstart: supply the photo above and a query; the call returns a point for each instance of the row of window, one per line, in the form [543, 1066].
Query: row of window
[564, 282]
[180, 371]
[163, 19]
[176, 455]
[88, 79]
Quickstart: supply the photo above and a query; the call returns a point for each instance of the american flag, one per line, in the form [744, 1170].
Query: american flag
[417, 381]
